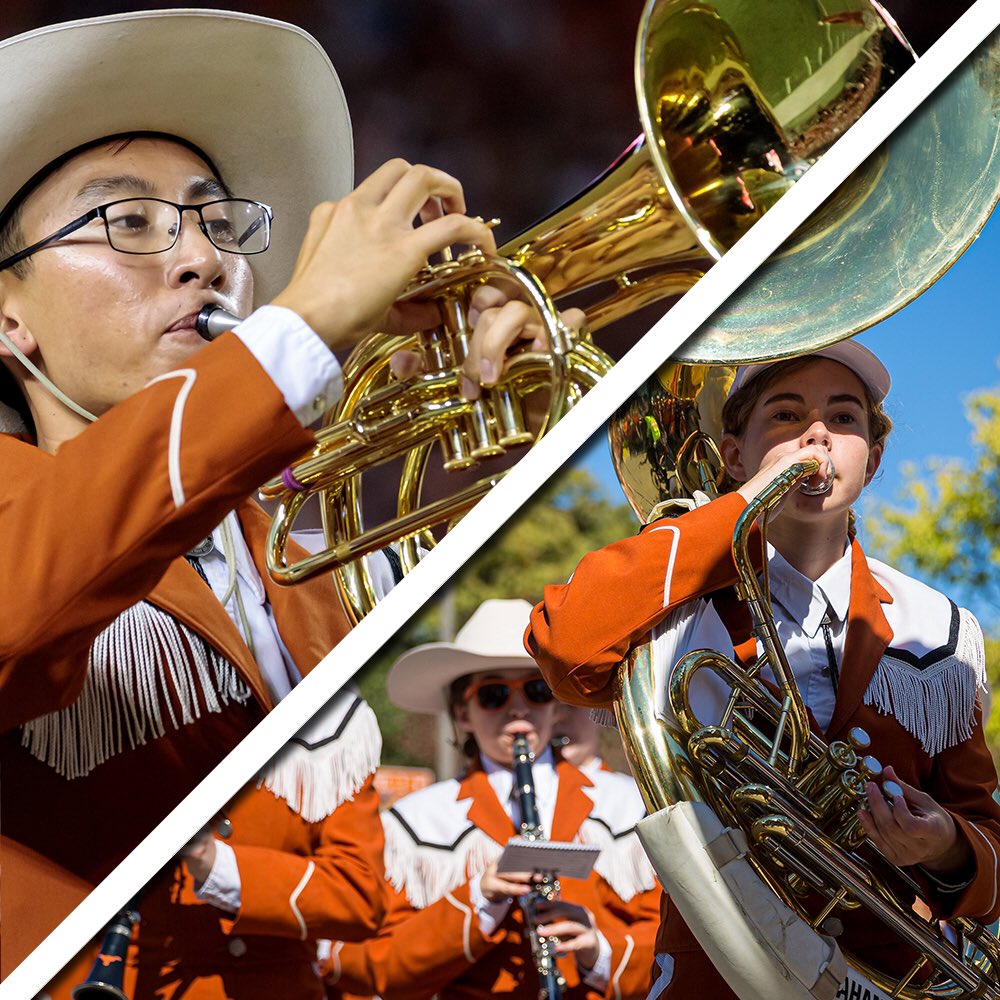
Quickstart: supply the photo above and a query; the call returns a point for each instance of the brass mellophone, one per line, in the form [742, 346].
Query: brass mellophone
[736, 101]
[550, 981]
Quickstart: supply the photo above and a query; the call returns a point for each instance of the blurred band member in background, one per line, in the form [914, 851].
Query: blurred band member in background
[454, 927]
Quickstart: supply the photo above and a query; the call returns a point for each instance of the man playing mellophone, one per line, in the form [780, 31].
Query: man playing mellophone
[135, 149]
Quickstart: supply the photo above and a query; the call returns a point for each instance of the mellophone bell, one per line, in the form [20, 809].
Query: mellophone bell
[735, 104]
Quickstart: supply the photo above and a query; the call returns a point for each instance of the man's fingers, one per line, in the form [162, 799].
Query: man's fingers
[483, 298]
[404, 364]
[433, 236]
[491, 341]
[416, 187]
[375, 188]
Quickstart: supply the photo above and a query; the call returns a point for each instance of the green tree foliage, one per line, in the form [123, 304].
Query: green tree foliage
[993, 722]
[949, 527]
[945, 526]
[542, 544]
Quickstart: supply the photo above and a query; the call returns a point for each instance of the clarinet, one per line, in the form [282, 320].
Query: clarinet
[108, 972]
[550, 980]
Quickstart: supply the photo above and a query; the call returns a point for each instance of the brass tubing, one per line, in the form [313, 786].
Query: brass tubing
[841, 870]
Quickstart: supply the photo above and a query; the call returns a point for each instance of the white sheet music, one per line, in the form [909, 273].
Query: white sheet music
[559, 858]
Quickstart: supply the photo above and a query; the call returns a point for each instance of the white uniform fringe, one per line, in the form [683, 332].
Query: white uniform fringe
[315, 780]
[426, 874]
[142, 667]
[622, 862]
[936, 704]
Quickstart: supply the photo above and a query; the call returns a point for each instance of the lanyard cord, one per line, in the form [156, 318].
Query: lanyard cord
[44, 379]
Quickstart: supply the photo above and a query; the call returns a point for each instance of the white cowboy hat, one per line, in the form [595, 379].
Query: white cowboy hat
[258, 96]
[849, 353]
[492, 639]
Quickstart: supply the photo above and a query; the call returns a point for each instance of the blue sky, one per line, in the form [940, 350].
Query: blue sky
[938, 349]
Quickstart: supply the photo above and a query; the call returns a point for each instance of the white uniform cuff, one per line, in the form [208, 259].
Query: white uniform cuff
[597, 978]
[222, 887]
[490, 915]
[298, 362]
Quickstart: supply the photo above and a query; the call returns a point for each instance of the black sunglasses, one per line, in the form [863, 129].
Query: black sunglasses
[492, 695]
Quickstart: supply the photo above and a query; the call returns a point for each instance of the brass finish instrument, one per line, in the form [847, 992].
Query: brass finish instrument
[760, 769]
[108, 972]
[550, 981]
[736, 101]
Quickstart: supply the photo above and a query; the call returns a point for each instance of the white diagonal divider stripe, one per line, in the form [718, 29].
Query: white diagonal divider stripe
[492, 511]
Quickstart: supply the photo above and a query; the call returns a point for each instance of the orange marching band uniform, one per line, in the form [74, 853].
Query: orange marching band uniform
[895, 627]
[433, 942]
[299, 860]
[440, 935]
[74, 739]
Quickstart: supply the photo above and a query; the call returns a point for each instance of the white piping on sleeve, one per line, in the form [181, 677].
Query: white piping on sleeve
[663, 980]
[615, 985]
[176, 421]
[334, 968]
[466, 927]
[996, 873]
[670, 559]
[294, 898]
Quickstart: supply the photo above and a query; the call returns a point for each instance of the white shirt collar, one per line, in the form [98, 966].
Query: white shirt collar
[543, 773]
[805, 600]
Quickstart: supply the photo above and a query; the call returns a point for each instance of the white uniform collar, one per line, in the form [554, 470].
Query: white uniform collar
[805, 600]
[543, 772]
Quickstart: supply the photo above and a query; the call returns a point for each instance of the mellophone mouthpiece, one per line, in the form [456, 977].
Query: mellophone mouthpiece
[108, 972]
[213, 321]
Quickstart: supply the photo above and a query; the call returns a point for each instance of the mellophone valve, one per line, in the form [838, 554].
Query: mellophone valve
[550, 979]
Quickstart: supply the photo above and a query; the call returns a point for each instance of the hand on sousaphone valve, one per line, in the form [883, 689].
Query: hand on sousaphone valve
[914, 829]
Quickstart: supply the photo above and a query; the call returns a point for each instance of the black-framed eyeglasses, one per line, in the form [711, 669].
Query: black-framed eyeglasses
[492, 695]
[152, 225]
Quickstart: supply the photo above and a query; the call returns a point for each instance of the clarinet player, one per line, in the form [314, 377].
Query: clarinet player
[453, 926]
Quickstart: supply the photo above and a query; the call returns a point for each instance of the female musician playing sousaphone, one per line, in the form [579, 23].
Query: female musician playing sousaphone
[452, 926]
[869, 647]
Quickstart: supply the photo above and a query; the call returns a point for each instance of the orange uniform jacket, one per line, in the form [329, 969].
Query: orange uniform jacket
[437, 947]
[308, 845]
[91, 531]
[578, 638]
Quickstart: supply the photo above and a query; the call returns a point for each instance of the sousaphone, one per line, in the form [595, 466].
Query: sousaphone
[737, 814]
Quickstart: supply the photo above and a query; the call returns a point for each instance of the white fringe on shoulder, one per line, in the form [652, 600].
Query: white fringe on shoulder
[146, 672]
[622, 862]
[425, 873]
[937, 704]
[315, 780]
